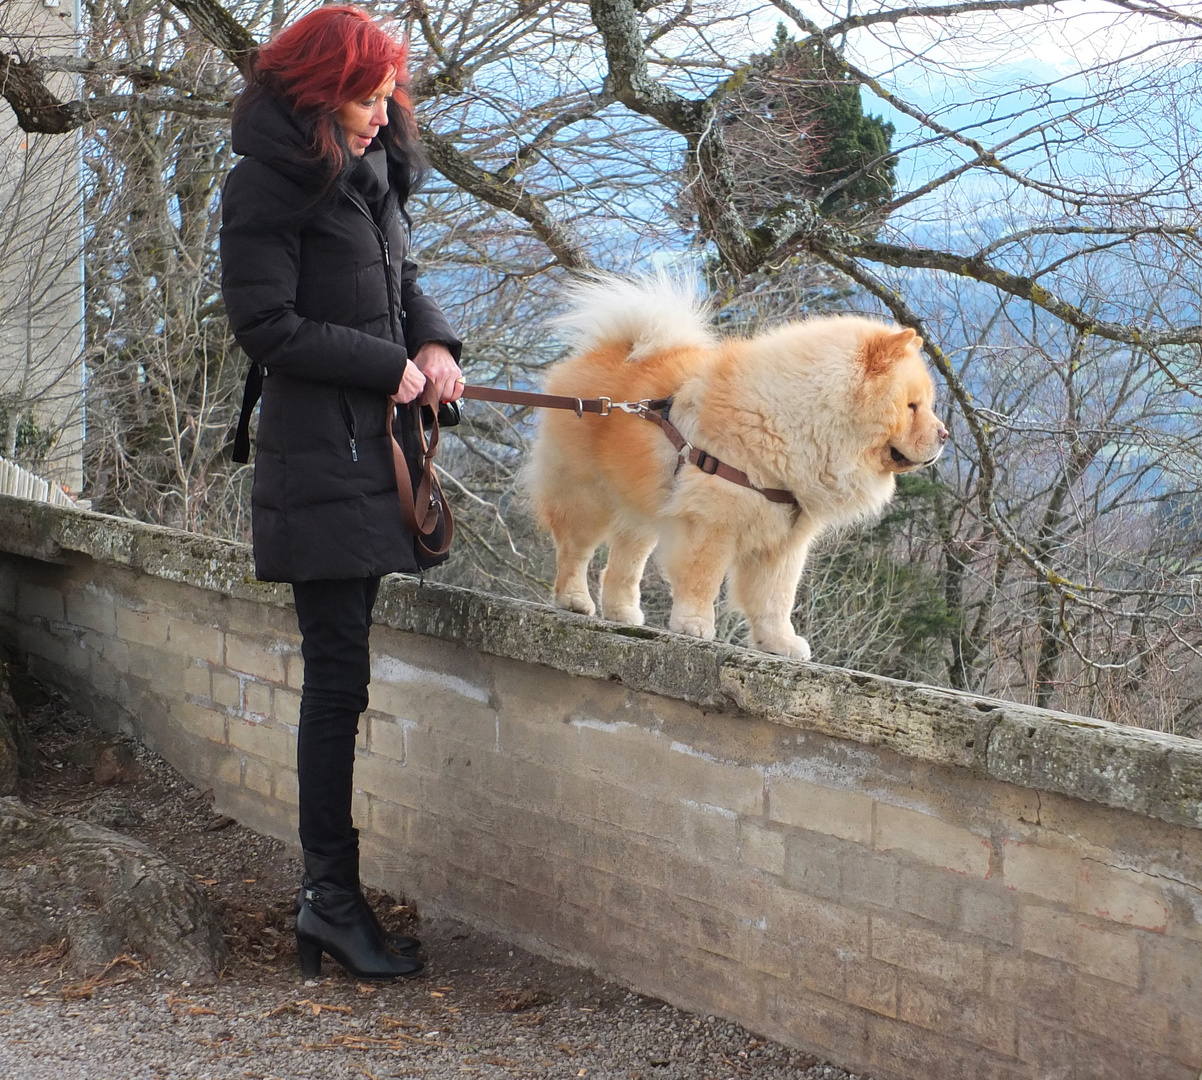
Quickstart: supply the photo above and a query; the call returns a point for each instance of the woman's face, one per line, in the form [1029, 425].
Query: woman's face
[361, 120]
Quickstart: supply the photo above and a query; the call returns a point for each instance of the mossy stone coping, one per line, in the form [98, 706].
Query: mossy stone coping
[1128, 768]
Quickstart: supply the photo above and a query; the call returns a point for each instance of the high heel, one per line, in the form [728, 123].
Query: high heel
[310, 959]
[332, 919]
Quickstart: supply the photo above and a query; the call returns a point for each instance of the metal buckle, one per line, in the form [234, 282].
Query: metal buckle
[579, 408]
[606, 405]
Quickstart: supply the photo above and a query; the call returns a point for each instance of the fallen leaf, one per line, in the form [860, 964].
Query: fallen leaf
[363, 988]
[200, 1010]
[88, 987]
[284, 1007]
[318, 1007]
[371, 1042]
[517, 1000]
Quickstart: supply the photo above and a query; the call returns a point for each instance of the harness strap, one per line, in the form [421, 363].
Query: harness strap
[707, 463]
[654, 410]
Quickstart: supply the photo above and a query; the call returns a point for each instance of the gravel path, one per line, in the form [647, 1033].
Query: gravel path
[505, 1014]
[482, 1008]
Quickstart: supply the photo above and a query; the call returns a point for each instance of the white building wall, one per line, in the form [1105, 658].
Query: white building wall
[41, 255]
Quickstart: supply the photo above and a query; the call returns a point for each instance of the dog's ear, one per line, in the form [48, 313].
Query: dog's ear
[884, 349]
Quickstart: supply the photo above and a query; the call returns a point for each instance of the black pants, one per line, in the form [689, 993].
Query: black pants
[334, 619]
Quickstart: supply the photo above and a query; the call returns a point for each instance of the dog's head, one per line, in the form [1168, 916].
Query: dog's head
[900, 396]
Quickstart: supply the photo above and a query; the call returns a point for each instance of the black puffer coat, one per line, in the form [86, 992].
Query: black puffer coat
[319, 293]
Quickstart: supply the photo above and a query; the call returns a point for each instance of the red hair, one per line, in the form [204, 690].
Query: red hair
[329, 58]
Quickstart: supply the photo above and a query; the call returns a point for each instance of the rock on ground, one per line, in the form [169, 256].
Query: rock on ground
[104, 893]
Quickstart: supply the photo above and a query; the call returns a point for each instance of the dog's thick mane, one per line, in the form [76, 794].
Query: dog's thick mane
[644, 315]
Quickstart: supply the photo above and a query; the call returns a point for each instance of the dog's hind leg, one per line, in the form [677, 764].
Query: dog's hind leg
[629, 550]
[695, 559]
[578, 527]
[764, 586]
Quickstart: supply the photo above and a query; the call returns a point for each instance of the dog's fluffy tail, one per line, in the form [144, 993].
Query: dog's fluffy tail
[644, 315]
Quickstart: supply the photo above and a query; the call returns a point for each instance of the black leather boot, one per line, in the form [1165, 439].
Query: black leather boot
[402, 943]
[337, 921]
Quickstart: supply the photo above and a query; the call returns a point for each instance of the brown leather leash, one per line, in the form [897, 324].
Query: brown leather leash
[425, 508]
[656, 410]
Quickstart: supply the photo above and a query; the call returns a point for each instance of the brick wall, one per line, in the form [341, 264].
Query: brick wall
[840, 862]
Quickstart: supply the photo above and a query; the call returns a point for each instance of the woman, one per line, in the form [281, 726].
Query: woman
[322, 300]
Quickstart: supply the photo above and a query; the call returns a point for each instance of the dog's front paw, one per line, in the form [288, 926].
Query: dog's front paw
[792, 645]
[692, 625]
[632, 616]
[579, 602]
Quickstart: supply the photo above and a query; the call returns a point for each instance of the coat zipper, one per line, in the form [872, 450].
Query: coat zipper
[348, 418]
[392, 319]
[387, 254]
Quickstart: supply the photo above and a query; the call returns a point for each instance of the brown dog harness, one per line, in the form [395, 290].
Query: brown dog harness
[656, 410]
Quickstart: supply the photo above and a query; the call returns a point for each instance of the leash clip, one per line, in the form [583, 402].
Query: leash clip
[637, 408]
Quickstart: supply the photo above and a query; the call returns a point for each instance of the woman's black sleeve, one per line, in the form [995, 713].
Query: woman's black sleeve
[424, 320]
[260, 267]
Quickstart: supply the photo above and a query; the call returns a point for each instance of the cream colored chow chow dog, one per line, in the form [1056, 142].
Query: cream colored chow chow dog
[831, 409]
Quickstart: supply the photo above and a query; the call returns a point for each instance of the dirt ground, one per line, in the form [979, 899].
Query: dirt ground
[482, 1007]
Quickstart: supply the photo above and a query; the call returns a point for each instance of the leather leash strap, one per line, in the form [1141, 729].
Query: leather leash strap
[601, 405]
[423, 509]
[654, 410]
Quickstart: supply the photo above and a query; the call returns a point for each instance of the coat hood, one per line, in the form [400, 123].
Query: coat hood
[267, 128]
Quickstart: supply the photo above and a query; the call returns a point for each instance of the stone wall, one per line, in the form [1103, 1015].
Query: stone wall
[907, 881]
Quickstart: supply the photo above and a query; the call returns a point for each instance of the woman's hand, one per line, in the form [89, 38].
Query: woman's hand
[439, 366]
[413, 382]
